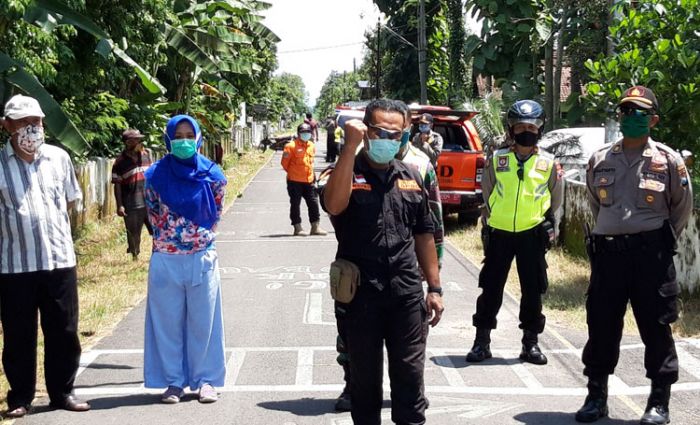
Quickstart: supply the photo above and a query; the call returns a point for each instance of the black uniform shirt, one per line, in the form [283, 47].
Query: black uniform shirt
[376, 229]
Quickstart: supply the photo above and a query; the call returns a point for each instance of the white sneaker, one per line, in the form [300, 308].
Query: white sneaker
[207, 394]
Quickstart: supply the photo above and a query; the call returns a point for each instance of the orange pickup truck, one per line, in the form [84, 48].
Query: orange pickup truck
[461, 163]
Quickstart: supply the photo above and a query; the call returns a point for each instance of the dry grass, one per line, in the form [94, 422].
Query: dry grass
[565, 300]
[110, 283]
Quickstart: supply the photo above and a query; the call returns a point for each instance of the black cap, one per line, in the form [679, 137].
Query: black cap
[640, 96]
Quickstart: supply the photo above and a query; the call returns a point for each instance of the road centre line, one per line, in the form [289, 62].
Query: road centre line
[290, 238]
[688, 362]
[524, 374]
[434, 389]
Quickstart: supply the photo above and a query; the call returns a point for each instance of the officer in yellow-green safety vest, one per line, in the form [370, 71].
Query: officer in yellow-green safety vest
[522, 189]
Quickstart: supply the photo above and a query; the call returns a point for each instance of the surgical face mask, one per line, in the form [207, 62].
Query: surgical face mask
[635, 125]
[305, 136]
[29, 138]
[183, 148]
[424, 128]
[382, 151]
[526, 138]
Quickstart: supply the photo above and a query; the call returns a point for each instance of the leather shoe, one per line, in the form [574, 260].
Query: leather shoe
[71, 403]
[479, 353]
[16, 412]
[656, 415]
[592, 410]
[533, 354]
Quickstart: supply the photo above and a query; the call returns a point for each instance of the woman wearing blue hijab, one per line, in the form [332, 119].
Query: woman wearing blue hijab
[184, 335]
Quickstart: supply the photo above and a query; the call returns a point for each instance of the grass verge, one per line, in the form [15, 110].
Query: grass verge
[110, 284]
[565, 300]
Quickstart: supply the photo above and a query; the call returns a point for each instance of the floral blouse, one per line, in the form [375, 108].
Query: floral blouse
[174, 234]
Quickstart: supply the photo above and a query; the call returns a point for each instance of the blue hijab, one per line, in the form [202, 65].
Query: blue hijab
[184, 185]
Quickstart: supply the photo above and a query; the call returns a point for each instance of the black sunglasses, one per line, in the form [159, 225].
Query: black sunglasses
[628, 111]
[383, 133]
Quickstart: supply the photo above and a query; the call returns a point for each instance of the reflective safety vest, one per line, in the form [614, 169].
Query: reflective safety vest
[518, 204]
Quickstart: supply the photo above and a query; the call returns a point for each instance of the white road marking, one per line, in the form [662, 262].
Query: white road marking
[290, 238]
[434, 389]
[85, 360]
[305, 367]
[313, 310]
[687, 362]
[234, 366]
[448, 369]
[524, 374]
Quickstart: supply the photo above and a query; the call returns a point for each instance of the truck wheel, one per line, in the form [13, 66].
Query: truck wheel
[467, 218]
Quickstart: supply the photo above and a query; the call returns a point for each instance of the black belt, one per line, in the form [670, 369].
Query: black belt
[620, 243]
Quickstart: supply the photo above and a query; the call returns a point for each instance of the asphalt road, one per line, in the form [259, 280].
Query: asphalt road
[280, 334]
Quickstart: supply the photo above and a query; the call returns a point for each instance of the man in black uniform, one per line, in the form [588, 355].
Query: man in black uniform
[641, 198]
[379, 209]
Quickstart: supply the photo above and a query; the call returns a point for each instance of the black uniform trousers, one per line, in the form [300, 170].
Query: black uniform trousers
[639, 269]
[373, 319]
[134, 220]
[528, 249]
[54, 294]
[330, 148]
[296, 191]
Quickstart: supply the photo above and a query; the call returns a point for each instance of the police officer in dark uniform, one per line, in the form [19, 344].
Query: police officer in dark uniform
[379, 209]
[641, 198]
[522, 189]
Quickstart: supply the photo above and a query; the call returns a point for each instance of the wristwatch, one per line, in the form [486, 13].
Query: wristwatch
[435, 290]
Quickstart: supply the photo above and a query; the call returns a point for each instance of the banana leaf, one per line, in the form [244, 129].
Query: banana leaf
[56, 120]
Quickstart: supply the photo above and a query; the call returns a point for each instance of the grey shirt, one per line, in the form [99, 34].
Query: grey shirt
[556, 188]
[638, 194]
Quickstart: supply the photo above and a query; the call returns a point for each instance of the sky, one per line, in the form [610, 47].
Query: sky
[320, 36]
[314, 25]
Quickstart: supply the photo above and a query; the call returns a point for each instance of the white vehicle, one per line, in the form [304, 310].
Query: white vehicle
[573, 147]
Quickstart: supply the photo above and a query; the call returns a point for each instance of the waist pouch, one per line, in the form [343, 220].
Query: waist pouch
[344, 280]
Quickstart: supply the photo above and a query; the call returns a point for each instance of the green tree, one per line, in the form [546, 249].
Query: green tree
[657, 45]
[339, 87]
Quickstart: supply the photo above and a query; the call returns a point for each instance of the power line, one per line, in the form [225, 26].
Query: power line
[311, 49]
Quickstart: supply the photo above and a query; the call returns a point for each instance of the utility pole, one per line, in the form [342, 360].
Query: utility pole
[377, 91]
[421, 53]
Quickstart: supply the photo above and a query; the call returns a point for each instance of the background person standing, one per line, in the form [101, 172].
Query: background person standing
[427, 140]
[128, 180]
[37, 261]
[641, 198]
[522, 188]
[298, 162]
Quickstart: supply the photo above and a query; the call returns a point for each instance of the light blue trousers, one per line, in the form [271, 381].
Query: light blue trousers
[184, 336]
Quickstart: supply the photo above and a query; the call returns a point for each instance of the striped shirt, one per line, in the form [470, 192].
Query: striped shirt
[35, 231]
[128, 172]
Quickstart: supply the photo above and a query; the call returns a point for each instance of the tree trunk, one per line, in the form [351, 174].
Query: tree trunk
[548, 84]
[556, 92]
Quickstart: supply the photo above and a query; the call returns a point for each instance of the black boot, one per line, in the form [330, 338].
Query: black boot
[596, 404]
[481, 350]
[657, 412]
[531, 352]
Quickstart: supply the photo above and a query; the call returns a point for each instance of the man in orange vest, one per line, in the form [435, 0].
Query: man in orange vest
[298, 162]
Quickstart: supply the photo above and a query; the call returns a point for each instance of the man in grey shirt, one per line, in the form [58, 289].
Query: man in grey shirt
[641, 197]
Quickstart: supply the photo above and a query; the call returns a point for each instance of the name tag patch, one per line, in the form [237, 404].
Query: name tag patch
[503, 163]
[541, 165]
[652, 185]
[411, 185]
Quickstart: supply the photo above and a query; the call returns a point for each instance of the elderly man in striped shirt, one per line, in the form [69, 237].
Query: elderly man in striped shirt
[37, 261]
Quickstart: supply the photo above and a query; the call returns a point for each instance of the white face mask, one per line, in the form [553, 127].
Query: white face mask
[29, 138]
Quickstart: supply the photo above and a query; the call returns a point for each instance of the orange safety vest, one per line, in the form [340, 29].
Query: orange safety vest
[298, 161]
